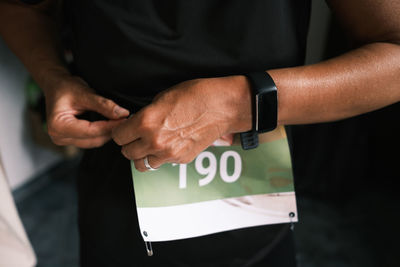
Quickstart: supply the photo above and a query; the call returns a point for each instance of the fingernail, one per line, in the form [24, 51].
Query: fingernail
[121, 112]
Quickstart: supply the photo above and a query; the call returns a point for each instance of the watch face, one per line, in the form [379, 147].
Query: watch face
[267, 106]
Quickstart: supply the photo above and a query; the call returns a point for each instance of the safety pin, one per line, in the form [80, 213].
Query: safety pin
[149, 248]
[291, 216]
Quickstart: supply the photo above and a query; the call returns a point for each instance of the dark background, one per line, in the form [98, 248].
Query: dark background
[345, 184]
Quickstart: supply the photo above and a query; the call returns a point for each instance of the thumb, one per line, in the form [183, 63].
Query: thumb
[106, 107]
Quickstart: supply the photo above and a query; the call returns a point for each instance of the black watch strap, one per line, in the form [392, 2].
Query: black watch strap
[249, 140]
[264, 108]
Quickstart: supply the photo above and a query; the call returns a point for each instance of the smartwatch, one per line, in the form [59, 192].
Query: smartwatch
[264, 108]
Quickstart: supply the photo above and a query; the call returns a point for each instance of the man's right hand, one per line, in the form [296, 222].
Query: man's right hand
[70, 98]
[31, 32]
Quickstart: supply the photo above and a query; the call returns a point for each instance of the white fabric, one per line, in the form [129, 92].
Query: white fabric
[15, 249]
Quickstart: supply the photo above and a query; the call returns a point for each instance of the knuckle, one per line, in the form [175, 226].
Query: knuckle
[145, 125]
[139, 167]
[130, 153]
[115, 135]
[51, 130]
[157, 143]
[51, 133]
[146, 119]
[104, 102]
[126, 153]
[142, 116]
[171, 154]
[116, 140]
[58, 141]
[146, 113]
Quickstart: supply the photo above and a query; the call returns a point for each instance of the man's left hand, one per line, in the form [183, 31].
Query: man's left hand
[184, 120]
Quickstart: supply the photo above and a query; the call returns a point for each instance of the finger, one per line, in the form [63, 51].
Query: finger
[154, 162]
[105, 107]
[71, 127]
[127, 132]
[136, 150]
[83, 143]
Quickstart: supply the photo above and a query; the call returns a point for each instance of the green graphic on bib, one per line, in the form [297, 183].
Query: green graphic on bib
[216, 173]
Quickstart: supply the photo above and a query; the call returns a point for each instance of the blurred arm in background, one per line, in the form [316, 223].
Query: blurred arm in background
[15, 249]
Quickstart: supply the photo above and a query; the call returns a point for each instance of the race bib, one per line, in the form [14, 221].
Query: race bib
[224, 188]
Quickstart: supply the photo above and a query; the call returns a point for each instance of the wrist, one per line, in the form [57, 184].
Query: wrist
[237, 91]
[51, 79]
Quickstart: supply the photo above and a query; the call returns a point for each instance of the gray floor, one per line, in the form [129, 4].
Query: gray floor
[363, 232]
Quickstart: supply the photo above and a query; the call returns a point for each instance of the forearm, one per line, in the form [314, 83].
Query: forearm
[31, 34]
[360, 81]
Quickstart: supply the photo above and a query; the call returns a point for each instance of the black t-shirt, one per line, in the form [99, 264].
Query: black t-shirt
[142, 47]
[139, 48]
